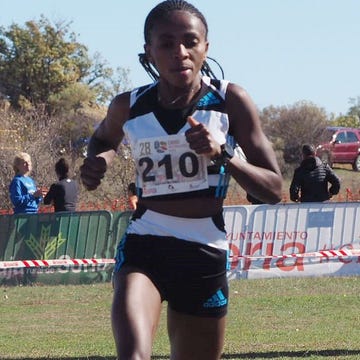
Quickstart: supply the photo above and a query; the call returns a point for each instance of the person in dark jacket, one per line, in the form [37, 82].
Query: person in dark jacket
[64, 193]
[311, 179]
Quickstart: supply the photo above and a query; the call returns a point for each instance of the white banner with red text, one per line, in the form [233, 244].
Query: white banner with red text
[298, 240]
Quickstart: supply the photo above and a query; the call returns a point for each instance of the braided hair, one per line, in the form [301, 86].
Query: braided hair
[160, 13]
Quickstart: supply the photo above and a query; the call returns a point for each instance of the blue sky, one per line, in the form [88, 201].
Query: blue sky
[280, 51]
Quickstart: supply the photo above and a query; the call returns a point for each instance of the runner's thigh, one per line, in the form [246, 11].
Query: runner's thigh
[135, 313]
[195, 338]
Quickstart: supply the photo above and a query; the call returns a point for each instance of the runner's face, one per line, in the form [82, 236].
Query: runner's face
[178, 48]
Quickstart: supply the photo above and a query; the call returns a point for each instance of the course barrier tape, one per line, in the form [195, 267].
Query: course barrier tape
[52, 263]
[315, 254]
[78, 262]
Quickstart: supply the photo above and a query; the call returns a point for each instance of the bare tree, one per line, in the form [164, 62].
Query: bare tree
[289, 127]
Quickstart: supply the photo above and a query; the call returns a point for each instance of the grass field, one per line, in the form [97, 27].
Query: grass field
[313, 318]
[280, 319]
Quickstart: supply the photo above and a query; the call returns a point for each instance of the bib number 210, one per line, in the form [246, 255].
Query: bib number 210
[187, 163]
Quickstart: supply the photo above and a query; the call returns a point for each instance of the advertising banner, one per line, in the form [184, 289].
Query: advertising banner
[265, 239]
[285, 240]
[61, 236]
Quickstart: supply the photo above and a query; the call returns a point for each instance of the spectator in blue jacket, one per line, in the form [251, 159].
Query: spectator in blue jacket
[312, 178]
[24, 194]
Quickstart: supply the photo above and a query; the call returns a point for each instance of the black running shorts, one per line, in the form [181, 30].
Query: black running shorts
[190, 276]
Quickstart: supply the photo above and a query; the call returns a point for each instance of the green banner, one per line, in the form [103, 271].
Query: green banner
[69, 235]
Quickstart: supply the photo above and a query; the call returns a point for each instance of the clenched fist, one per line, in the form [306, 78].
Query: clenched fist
[200, 139]
[92, 171]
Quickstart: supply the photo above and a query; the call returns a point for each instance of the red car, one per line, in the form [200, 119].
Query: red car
[341, 145]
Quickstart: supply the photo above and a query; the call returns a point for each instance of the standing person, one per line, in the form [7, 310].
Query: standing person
[64, 193]
[175, 246]
[311, 179]
[133, 199]
[24, 194]
[26, 197]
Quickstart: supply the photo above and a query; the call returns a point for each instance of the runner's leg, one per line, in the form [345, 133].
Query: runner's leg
[195, 338]
[135, 314]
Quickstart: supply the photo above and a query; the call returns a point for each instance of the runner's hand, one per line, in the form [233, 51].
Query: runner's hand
[200, 139]
[92, 172]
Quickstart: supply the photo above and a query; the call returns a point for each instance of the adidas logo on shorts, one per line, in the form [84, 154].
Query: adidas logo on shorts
[217, 300]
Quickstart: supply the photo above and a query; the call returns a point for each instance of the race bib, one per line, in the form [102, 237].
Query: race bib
[166, 165]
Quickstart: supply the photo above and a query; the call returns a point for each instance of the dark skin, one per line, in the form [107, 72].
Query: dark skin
[178, 48]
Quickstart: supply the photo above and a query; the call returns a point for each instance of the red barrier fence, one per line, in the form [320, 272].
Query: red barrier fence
[236, 196]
